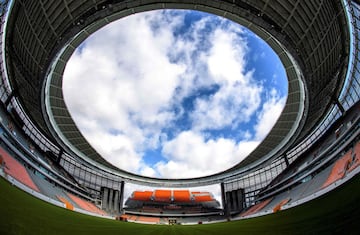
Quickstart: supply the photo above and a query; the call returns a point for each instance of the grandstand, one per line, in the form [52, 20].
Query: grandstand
[172, 203]
[16, 170]
[312, 151]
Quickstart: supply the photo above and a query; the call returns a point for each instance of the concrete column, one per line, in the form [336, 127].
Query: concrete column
[116, 202]
[234, 200]
[104, 199]
[240, 199]
[111, 202]
[121, 198]
[224, 200]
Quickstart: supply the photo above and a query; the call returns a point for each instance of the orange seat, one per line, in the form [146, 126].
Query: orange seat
[68, 205]
[17, 170]
[339, 169]
[203, 198]
[356, 161]
[132, 217]
[162, 195]
[142, 195]
[197, 192]
[181, 195]
[148, 219]
[86, 205]
[256, 208]
[280, 204]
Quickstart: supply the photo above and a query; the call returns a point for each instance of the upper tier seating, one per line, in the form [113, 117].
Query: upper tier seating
[181, 195]
[162, 195]
[203, 198]
[142, 195]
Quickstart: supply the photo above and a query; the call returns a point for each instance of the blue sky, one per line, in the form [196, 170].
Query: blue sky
[174, 93]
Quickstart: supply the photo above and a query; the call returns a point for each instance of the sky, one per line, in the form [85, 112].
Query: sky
[174, 93]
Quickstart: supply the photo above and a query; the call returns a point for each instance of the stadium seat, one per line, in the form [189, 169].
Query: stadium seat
[162, 195]
[280, 204]
[197, 192]
[356, 160]
[18, 171]
[150, 209]
[142, 195]
[85, 205]
[68, 205]
[146, 219]
[203, 198]
[255, 208]
[181, 195]
[339, 169]
[132, 217]
[123, 217]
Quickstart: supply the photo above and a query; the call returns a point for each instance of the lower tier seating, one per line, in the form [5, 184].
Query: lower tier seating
[15, 169]
[255, 208]
[339, 169]
[85, 205]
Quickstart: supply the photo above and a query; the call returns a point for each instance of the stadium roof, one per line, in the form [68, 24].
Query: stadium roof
[310, 37]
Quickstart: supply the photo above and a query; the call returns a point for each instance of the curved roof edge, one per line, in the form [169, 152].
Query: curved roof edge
[322, 55]
[282, 135]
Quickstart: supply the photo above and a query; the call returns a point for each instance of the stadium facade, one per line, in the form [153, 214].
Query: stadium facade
[317, 132]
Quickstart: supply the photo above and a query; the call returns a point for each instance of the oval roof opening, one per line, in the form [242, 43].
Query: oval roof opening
[174, 93]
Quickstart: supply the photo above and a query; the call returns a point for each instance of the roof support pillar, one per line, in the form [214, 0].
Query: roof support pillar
[116, 202]
[225, 203]
[8, 99]
[104, 198]
[286, 160]
[337, 102]
[59, 156]
[111, 200]
[121, 199]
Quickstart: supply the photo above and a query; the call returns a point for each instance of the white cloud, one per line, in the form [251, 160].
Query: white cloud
[124, 90]
[226, 61]
[191, 155]
[118, 149]
[148, 171]
[238, 96]
[271, 110]
[228, 107]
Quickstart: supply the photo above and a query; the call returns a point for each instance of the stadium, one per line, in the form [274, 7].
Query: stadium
[303, 178]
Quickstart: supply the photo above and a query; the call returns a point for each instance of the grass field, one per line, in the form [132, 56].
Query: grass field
[338, 212]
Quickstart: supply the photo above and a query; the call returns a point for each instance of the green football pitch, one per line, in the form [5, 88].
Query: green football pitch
[337, 212]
